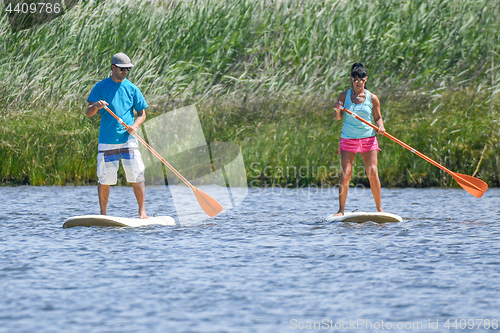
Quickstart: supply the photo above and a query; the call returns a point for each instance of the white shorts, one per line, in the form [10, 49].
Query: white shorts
[108, 160]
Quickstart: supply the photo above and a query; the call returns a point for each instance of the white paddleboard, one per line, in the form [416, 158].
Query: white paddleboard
[113, 221]
[365, 217]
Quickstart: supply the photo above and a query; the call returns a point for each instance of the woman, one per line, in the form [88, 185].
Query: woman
[357, 136]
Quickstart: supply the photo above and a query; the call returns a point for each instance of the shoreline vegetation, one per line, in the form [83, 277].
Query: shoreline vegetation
[263, 75]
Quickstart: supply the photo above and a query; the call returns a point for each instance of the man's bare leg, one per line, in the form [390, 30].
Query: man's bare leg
[103, 192]
[140, 194]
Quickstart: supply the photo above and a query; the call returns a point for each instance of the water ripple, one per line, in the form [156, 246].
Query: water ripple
[251, 269]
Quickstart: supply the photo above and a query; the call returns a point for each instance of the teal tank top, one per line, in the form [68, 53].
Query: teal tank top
[354, 128]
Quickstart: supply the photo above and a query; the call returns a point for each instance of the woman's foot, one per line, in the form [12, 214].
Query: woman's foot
[339, 213]
[380, 209]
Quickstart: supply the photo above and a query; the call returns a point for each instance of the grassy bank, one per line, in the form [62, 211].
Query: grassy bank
[50, 147]
[207, 49]
[283, 141]
[296, 141]
[264, 75]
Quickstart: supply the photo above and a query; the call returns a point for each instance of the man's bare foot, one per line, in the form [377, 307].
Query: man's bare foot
[339, 213]
[143, 216]
[380, 209]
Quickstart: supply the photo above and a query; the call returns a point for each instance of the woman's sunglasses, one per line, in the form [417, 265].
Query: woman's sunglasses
[358, 80]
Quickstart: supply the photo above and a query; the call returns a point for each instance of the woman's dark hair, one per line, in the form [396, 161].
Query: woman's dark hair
[359, 71]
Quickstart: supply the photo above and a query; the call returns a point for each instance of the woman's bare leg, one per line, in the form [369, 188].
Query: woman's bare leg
[347, 159]
[371, 161]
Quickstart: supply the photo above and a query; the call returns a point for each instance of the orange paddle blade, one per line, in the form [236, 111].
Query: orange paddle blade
[207, 203]
[474, 186]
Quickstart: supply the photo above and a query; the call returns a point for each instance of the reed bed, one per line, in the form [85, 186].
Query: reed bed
[264, 74]
[294, 143]
[205, 49]
[42, 149]
[300, 146]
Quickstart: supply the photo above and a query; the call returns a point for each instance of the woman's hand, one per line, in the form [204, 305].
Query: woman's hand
[338, 113]
[381, 129]
[337, 106]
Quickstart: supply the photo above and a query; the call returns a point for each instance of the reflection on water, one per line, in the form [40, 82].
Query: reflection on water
[265, 266]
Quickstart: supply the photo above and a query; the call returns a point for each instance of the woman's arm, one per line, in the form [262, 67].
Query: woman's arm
[377, 115]
[340, 102]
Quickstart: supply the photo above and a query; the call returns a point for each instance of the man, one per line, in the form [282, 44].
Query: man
[115, 143]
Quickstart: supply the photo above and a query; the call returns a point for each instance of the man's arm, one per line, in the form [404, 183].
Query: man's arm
[141, 117]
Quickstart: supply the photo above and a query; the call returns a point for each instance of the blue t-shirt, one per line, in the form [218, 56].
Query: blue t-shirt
[122, 98]
[354, 128]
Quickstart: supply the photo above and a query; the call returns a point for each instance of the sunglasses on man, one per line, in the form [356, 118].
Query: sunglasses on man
[123, 69]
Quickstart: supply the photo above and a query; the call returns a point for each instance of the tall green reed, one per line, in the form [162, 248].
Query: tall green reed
[290, 142]
[48, 149]
[263, 74]
[296, 141]
[206, 49]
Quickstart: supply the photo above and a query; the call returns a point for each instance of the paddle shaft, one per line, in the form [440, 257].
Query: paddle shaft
[413, 150]
[181, 177]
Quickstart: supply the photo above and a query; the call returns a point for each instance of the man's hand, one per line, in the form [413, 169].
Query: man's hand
[93, 107]
[132, 130]
[99, 105]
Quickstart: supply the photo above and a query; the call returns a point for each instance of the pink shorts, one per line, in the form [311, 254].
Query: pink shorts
[359, 145]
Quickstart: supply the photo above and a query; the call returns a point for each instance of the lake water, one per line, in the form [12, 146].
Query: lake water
[268, 265]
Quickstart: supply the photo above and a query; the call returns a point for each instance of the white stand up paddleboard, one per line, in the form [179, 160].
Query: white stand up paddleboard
[365, 217]
[113, 221]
